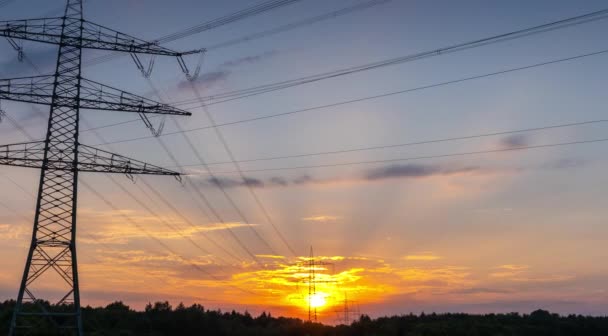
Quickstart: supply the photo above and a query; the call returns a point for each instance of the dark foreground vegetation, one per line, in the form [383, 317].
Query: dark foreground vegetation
[160, 318]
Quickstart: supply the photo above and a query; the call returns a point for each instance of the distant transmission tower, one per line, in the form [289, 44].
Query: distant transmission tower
[311, 265]
[60, 157]
[348, 311]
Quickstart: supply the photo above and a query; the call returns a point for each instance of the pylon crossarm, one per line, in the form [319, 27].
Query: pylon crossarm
[98, 96]
[93, 95]
[92, 159]
[27, 154]
[94, 36]
[36, 89]
[47, 30]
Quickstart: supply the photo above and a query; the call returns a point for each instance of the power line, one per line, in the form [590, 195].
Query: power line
[459, 47]
[97, 241]
[253, 194]
[573, 21]
[167, 223]
[414, 158]
[294, 25]
[252, 91]
[215, 23]
[239, 15]
[414, 143]
[171, 226]
[222, 189]
[169, 205]
[357, 100]
[161, 243]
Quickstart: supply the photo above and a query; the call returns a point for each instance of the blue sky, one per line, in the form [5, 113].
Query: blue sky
[493, 232]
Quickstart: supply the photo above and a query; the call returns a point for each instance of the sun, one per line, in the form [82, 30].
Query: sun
[317, 300]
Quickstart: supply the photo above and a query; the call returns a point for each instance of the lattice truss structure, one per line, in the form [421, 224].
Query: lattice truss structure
[51, 260]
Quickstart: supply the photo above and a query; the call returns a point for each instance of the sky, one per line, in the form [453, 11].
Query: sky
[491, 232]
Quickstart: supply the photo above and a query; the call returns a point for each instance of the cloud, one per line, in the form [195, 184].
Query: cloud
[207, 80]
[513, 267]
[413, 171]
[514, 141]
[14, 232]
[422, 257]
[270, 256]
[304, 179]
[248, 59]
[276, 181]
[111, 229]
[481, 290]
[225, 182]
[508, 271]
[279, 181]
[321, 219]
[396, 171]
[224, 70]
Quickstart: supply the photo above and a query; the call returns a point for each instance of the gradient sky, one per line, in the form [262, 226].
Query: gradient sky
[511, 231]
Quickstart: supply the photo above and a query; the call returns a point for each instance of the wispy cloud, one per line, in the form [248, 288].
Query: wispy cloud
[422, 257]
[508, 271]
[208, 80]
[397, 171]
[514, 141]
[414, 171]
[322, 219]
[248, 59]
[225, 70]
[12, 231]
[270, 256]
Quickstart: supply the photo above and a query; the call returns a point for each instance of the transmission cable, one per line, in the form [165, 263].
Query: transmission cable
[500, 150]
[167, 223]
[159, 242]
[357, 100]
[252, 192]
[294, 25]
[253, 91]
[463, 46]
[414, 143]
[215, 23]
[219, 186]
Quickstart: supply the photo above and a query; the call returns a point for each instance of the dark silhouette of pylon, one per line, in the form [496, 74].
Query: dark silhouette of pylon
[311, 265]
[60, 157]
[348, 311]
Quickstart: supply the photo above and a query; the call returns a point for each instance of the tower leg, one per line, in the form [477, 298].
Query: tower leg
[51, 270]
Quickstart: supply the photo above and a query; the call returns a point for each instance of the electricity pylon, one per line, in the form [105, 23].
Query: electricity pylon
[348, 311]
[60, 157]
[313, 265]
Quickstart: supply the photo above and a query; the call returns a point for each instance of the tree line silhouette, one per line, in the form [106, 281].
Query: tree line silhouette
[160, 318]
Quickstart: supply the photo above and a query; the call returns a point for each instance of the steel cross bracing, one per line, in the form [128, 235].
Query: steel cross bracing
[51, 261]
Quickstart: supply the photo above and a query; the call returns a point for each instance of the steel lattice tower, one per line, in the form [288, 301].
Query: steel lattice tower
[312, 266]
[348, 312]
[60, 157]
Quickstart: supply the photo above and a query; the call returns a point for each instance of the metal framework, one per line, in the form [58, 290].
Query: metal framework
[51, 260]
[313, 265]
[348, 312]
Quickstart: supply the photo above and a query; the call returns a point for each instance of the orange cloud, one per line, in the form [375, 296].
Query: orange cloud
[321, 219]
[422, 257]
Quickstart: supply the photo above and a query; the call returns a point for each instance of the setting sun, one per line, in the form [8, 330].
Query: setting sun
[317, 300]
